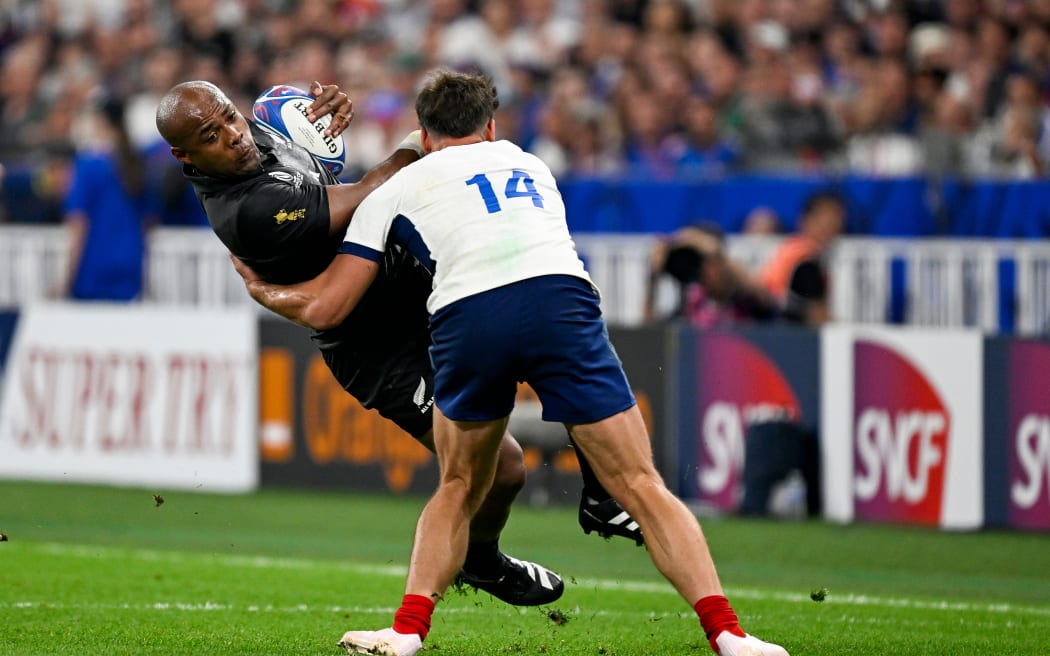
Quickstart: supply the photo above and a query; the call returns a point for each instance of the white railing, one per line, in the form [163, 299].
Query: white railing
[191, 266]
[946, 282]
[32, 262]
[939, 282]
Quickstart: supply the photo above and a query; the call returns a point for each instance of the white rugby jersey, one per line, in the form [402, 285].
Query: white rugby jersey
[479, 216]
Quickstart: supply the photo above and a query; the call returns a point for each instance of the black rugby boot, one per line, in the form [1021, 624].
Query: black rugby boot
[518, 582]
[607, 518]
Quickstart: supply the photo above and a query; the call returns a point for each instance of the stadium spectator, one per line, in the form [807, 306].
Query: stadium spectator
[946, 138]
[666, 22]
[1015, 143]
[208, 27]
[22, 69]
[844, 66]
[108, 211]
[992, 51]
[530, 315]
[882, 122]
[551, 26]
[961, 14]
[1032, 53]
[762, 220]
[783, 126]
[594, 140]
[711, 289]
[651, 148]
[36, 191]
[887, 34]
[707, 154]
[820, 86]
[575, 133]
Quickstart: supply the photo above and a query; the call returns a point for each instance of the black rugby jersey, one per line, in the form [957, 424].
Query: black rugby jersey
[277, 221]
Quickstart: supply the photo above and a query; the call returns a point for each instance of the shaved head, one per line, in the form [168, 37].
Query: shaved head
[181, 107]
[206, 131]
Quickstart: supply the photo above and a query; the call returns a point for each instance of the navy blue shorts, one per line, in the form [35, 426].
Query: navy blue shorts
[546, 331]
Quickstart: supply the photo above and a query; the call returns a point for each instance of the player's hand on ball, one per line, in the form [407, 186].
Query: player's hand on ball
[328, 99]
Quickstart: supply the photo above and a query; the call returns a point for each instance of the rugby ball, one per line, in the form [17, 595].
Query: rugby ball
[281, 111]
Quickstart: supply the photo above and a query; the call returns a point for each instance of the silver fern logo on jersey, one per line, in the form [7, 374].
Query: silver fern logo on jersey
[294, 179]
[420, 398]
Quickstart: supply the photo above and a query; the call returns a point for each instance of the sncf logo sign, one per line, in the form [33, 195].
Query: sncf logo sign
[899, 451]
[1031, 483]
[739, 387]
[901, 437]
[1029, 443]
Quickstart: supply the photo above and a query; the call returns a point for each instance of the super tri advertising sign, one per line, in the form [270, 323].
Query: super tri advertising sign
[132, 395]
[902, 426]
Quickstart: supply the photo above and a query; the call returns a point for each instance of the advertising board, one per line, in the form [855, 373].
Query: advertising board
[132, 395]
[734, 380]
[902, 429]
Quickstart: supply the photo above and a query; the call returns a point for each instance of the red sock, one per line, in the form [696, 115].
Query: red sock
[414, 615]
[717, 616]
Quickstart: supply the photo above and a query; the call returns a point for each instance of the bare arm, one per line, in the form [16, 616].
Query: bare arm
[321, 303]
[76, 231]
[343, 199]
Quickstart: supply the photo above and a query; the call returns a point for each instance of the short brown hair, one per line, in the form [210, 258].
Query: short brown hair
[452, 104]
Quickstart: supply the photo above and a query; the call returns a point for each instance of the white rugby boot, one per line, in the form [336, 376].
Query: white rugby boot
[386, 642]
[730, 644]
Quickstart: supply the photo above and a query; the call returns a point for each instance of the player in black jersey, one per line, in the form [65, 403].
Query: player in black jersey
[284, 214]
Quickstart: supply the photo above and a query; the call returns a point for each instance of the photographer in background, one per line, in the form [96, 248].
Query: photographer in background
[716, 292]
[712, 290]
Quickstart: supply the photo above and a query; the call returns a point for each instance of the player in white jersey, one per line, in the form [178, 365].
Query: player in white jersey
[519, 232]
[511, 302]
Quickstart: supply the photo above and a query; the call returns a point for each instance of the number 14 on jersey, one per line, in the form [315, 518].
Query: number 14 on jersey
[518, 185]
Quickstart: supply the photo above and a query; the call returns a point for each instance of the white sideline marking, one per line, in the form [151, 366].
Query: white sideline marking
[225, 560]
[209, 606]
[399, 571]
[854, 600]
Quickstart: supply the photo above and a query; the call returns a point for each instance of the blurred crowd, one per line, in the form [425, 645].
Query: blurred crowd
[654, 88]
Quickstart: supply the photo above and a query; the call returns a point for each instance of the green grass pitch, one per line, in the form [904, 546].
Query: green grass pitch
[90, 570]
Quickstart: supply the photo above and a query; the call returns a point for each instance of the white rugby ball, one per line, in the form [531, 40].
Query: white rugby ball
[281, 111]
